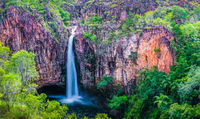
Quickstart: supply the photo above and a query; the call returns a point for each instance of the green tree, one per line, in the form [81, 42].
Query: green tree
[10, 87]
[102, 116]
[135, 108]
[54, 110]
[23, 63]
[189, 90]
[184, 111]
[4, 54]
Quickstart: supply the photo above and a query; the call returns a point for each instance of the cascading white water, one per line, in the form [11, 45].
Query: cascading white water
[72, 92]
[71, 81]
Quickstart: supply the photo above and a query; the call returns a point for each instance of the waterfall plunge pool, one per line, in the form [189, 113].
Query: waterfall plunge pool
[82, 106]
[74, 100]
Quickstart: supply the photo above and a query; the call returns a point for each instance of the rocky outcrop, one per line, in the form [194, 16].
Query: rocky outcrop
[124, 58]
[20, 30]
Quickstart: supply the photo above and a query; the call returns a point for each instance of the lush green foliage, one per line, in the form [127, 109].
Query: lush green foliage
[157, 88]
[189, 89]
[102, 116]
[179, 12]
[91, 37]
[4, 54]
[117, 101]
[157, 50]
[94, 20]
[105, 81]
[18, 95]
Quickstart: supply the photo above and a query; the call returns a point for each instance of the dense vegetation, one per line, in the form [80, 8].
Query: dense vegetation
[18, 95]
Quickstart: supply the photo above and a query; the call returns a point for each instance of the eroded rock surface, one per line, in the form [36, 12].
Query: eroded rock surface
[20, 30]
[152, 48]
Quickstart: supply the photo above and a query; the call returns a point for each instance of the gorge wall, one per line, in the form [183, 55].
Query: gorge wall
[122, 59]
[125, 57]
[20, 30]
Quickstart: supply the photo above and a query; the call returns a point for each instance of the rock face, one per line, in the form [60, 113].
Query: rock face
[154, 49]
[124, 58]
[20, 30]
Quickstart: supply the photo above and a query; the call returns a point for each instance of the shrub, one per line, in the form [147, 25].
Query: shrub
[157, 50]
[183, 111]
[179, 12]
[102, 116]
[133, 55]
[105, 81]
[89, 36]
[117, 101]
[189, 90]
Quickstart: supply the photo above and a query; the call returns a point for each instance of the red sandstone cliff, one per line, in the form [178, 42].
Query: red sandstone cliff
[114, 59]
[20, 30]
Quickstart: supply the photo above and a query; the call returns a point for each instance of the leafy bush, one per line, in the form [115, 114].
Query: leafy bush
[135, 108]
[94, 20]
[91, 37]
[117, 101]
[133, 55]
[1, 11]
[189, 30]
[189, 90]
[154, 82]
[105, 81]
[4, 54]
[102, 116]
[157, 50]
[162, 102]
[179, 12]
[184, 111]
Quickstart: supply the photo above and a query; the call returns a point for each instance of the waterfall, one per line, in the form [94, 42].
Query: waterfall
[72, 92]
[71, 80]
